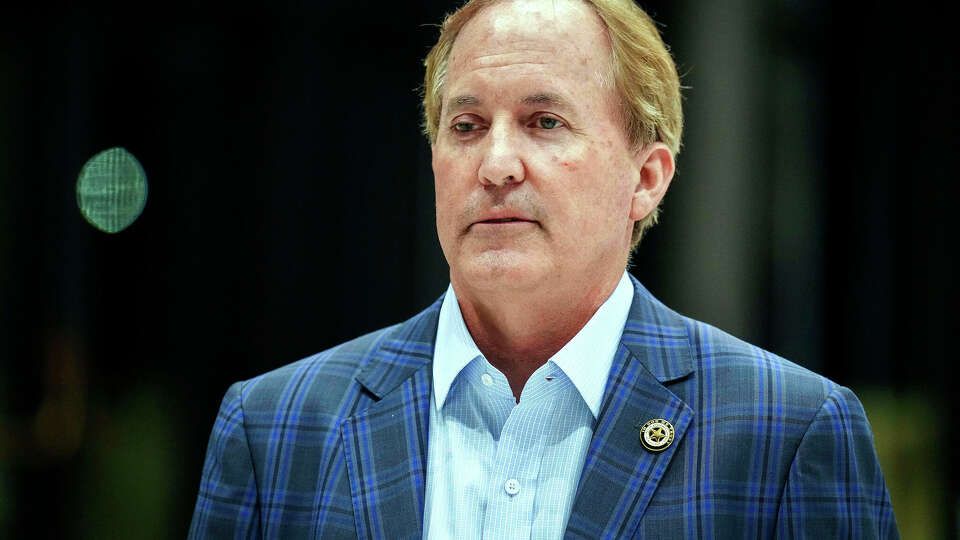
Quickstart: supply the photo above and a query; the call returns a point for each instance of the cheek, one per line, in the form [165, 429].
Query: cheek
[567, 164]
[443, 177]
[599, 191]
[451, 189]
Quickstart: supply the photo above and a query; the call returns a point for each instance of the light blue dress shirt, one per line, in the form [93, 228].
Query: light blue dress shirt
[499, 469]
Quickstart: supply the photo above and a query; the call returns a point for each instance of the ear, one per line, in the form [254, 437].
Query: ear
[656, 166]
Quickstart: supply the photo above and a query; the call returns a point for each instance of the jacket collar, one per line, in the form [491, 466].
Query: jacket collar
[406, 348]
[657, 336]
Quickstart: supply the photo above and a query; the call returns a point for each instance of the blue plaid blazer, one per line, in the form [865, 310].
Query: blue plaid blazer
[334, 446]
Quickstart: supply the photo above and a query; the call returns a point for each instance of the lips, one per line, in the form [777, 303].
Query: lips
[502, 220]
[497, 227]
[505, 218]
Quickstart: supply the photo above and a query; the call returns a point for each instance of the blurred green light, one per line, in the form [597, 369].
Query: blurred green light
[112, 190]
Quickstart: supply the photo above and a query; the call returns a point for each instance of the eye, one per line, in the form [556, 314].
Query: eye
[464, 127]
[548, 122]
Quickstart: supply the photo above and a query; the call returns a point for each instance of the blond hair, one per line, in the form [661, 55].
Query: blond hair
[645, 78]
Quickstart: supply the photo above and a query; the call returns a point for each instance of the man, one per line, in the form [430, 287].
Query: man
[547, 394]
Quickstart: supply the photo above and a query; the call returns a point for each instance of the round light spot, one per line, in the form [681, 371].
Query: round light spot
[112, 190]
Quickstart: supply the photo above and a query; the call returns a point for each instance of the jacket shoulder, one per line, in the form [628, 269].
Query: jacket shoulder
[276, 432]
[725, 367]
[740, 368]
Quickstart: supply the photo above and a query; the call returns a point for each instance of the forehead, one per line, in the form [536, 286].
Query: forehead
[564, 34]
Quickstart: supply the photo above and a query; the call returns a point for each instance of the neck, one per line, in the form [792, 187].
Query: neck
[519, 331]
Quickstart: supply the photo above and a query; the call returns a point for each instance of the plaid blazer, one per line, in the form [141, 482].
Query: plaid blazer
[334, 446]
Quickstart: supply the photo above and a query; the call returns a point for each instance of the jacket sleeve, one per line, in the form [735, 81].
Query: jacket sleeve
[835, 488]
[227, 505]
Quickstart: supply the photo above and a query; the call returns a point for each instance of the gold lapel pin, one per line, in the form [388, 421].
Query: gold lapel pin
[656, 435]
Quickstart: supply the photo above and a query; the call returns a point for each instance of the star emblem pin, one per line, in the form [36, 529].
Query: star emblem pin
[656, 435]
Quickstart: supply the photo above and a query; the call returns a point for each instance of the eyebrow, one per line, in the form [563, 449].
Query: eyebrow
[460, 102]
[545, 98]
[540, 98]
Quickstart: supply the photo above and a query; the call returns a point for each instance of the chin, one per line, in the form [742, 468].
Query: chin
[503, 270]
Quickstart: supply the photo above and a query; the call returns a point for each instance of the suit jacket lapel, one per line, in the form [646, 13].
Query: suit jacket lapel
[619, 475]
[386, 444]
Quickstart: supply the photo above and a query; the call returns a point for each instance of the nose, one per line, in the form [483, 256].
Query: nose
[501, 163]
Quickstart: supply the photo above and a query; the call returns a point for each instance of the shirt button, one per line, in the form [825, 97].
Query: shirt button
[487, 379]
[512, 487]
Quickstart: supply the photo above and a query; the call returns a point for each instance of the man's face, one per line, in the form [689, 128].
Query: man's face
[534, 174]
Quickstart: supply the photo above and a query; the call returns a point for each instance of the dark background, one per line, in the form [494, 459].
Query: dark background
[291, 208]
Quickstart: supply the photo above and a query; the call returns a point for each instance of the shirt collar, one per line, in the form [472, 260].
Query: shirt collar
[586, 359]
[454, 348]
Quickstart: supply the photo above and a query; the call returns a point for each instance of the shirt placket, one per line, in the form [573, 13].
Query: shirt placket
[511, 493]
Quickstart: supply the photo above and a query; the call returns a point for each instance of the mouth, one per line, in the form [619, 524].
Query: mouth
[504, 225]
[505, 220]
